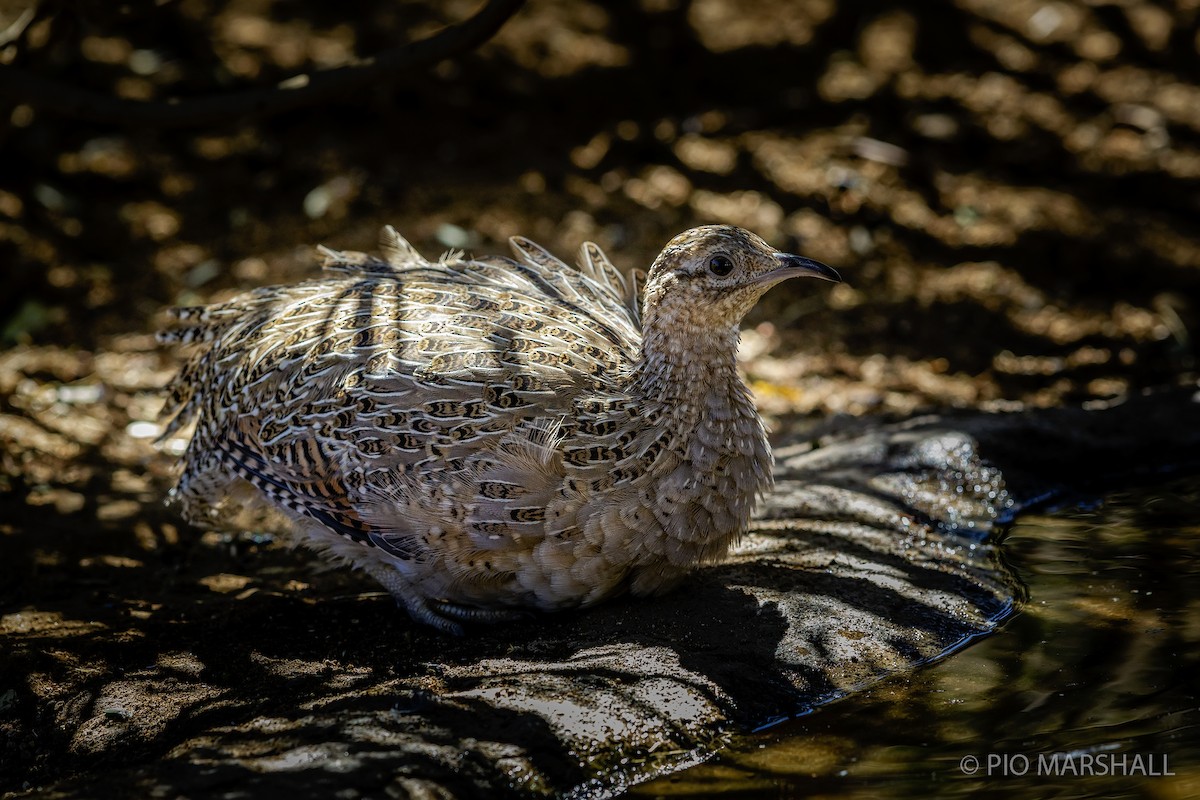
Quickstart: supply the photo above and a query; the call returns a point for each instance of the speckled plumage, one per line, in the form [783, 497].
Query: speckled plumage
[485, 435]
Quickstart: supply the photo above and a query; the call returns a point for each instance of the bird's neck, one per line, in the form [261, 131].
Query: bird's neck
[683, 359]
[688, 379]
[688, 385]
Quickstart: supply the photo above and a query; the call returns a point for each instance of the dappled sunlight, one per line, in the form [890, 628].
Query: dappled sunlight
[1009, 190]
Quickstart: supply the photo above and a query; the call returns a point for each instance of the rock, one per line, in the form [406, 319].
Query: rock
[876, 553]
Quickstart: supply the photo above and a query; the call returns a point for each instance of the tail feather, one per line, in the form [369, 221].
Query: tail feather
[187, 325]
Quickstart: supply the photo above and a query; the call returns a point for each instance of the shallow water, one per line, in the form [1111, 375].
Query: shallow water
[1090, 690]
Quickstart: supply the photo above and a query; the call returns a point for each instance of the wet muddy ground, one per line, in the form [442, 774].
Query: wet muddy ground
[1011, 190]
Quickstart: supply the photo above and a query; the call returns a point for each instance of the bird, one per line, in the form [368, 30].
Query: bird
[486, 437]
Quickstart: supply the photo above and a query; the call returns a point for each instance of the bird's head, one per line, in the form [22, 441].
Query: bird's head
[718, 272]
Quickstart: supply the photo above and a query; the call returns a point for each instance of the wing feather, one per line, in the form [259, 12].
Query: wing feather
[395, 396]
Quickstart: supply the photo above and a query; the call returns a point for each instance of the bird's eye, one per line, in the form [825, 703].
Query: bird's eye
[720, 265]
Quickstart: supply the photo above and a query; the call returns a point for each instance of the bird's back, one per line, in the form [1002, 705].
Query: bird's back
[401, 387]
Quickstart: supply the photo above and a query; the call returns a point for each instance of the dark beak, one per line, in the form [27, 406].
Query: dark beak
[791, 266]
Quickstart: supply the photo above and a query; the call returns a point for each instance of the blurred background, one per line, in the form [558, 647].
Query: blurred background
[1011, 188]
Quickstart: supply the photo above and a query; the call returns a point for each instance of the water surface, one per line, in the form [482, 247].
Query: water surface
[1099, 669]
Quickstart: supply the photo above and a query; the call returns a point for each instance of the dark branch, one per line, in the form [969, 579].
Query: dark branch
[47, 94]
